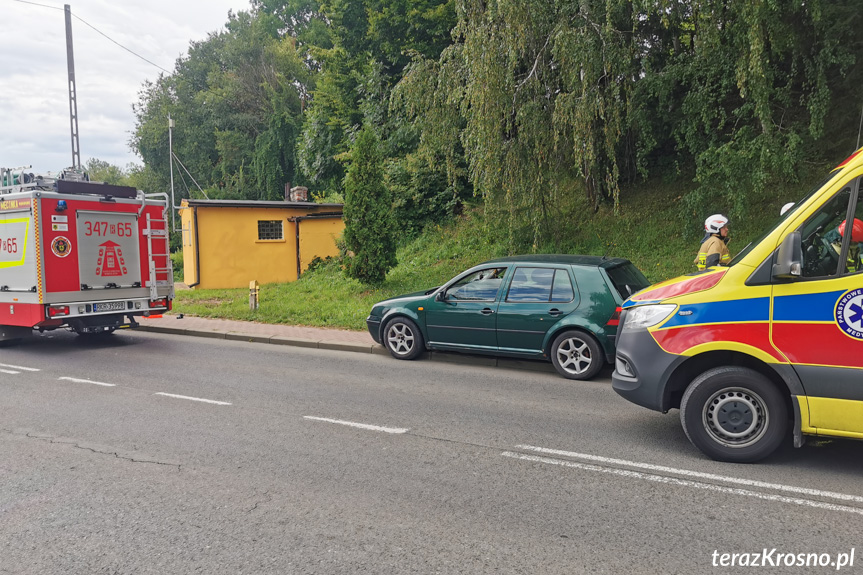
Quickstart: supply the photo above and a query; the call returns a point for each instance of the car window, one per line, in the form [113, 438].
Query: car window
[822, 241]
[561, 290]
[481, 285]
[627, 280]
[531, 285]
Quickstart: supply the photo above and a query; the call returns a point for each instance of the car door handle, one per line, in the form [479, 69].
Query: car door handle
[554, 312]
[486, 311]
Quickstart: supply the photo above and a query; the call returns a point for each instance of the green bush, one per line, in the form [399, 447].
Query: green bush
[368, 214]
[177, 264]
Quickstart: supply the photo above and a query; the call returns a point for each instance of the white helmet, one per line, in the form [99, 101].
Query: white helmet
[714, 223]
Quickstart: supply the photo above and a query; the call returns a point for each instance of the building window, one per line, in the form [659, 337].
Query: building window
[270, 230]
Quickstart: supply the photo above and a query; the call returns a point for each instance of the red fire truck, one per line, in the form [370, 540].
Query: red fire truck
[81, 255]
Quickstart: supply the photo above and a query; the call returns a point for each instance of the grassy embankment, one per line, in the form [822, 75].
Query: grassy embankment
[649, 230]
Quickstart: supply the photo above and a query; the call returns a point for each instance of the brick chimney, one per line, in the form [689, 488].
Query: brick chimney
[299, 194]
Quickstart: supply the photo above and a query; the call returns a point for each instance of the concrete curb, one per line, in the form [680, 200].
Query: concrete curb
[375, 349]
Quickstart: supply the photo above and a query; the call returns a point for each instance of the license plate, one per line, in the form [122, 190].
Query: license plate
[110, 306]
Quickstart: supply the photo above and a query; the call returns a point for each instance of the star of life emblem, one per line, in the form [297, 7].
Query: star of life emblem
[849, 313]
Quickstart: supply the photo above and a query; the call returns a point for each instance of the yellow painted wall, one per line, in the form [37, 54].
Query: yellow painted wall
[190, 250]
[231, 255]
[318, 238]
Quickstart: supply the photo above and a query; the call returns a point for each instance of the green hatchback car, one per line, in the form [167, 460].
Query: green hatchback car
[559, 307]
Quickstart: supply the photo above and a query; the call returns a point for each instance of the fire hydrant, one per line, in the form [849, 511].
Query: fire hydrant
[254, 292]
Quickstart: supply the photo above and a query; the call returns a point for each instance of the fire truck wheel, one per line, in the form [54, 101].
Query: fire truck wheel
[104, 333]
[734, 414]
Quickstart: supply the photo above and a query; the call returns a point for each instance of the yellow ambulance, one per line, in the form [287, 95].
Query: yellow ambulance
[765, 349]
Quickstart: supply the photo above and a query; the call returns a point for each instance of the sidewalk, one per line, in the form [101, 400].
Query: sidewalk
[316, 337]
[321, 338]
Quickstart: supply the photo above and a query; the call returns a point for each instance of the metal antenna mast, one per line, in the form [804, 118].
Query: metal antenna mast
[73, 102]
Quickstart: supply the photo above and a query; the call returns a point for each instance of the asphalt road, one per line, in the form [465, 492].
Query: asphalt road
[459, 469]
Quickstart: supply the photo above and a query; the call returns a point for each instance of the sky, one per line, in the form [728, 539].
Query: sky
[34, 96]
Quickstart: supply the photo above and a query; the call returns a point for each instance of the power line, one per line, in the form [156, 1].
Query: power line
[97, 30]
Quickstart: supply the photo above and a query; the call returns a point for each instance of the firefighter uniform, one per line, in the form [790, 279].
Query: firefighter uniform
[854, 263]
[713, 252]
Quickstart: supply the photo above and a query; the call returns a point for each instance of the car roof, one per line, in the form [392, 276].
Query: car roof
[566, 259]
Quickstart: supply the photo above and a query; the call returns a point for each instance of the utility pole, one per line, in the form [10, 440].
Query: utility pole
[73, 102]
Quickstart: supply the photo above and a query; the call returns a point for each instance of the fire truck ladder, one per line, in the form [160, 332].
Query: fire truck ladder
[158, 235]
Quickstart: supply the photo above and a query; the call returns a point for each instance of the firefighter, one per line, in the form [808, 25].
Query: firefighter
[714, 249]
[854, 263]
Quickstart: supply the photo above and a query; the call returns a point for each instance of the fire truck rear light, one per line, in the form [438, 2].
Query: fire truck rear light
[159, 303]
[55, 310]
[137, 305]
[82, 309]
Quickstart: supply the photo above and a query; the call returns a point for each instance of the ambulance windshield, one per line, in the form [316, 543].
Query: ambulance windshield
[788, 213]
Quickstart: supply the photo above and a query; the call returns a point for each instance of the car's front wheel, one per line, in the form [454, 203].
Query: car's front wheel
[576, 355]
[403, 339]
[734, 414]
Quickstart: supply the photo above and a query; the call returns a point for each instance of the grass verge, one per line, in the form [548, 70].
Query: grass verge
[647, 229]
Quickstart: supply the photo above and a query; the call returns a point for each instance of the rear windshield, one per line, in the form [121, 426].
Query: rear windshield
[627, 280]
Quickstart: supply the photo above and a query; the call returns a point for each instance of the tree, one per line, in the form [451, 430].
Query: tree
[369, 228]
[102, 171]
[237, 103]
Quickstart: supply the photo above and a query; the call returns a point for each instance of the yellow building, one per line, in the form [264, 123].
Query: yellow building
[228, 243]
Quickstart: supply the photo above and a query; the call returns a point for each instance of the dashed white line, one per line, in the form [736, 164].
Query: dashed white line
[18, 367]
[695, 474]
[359, 425]
[76, 380]
[214, 402]
[684, 483]
[9, 371]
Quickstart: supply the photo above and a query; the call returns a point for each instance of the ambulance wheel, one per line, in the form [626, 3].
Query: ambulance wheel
[734, 414]
[576, 355]
[402, 338]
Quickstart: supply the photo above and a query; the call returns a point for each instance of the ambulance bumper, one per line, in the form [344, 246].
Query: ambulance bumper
[642, 369]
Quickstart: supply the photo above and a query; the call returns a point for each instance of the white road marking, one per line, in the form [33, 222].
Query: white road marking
[360, 425]
[696, 474]
[685, 483]
[19, 367]
[76, 380]
[214, 402]
[9, 371]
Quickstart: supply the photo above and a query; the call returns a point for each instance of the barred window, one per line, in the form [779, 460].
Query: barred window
[270, 230]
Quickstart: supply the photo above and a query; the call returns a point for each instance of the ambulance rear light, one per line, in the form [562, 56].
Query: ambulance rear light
[58, 310]
[615, 317]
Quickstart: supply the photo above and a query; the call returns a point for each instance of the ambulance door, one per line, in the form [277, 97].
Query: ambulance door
[817, 320]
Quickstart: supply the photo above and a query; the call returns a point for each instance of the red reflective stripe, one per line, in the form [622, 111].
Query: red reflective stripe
[848, 159]
[681, 339]
[695, 284]
[818, 344]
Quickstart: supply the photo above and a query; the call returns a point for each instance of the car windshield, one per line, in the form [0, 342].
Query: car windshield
[627, 280]
[781, 219]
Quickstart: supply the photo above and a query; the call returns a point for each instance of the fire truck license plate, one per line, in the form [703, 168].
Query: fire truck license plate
[110, 306]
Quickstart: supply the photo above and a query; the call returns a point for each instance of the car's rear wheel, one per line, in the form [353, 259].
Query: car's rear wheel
[576, 355]
[734, 414]
[403, 339]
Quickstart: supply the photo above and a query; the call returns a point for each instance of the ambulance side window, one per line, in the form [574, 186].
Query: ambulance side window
[822, 241]
[854, 262]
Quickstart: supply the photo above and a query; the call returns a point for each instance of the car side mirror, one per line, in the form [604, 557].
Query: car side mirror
[438, 296]
[789, 258]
